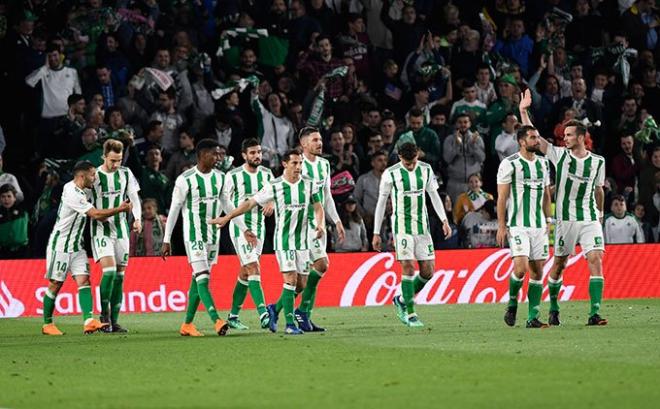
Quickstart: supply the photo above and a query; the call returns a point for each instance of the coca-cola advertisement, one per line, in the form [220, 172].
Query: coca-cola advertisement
[357, 279]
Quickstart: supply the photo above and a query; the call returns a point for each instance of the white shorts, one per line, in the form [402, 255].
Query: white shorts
[292, 260]
[103, 246]
[568, 234]
[414, 247]
[245, 252]
[201, 256]
[59, 263]
[528, 242]
[317, 246]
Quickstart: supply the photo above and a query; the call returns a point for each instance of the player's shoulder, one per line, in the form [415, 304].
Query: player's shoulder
[70, 188]
[186, 174]
[597, 157]
[630, 216]
[265, 170]
[235, 171]
[278, 180]
[393, 168]
[423, 165]
[511, 158]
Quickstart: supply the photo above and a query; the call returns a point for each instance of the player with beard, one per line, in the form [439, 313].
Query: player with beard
[523, 197]
[243, 183]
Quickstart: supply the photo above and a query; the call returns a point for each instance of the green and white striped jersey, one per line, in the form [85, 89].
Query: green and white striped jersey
[293, 202]
[67, 234]
[575, 184]
[319, 172]
[528, 180]
[408, 193]
[201, 197]
[110, 190]
[241, 186]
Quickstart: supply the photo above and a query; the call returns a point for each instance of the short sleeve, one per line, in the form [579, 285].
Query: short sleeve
[504, 172]
[600, 173]
[76, 200]
[553, 153]
[265, 195]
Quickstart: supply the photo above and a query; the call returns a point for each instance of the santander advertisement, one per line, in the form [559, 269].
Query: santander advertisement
[357, 279]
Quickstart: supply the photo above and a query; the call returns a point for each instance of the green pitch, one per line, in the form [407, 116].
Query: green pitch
[465, 357]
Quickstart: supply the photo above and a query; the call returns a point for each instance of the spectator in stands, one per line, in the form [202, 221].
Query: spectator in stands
[276, 130]
[366, 188]
[8, 178]
[153, 182]
[620, 226]
[116, 126]
[426, 139]
[471, 200]
[440, 241]
[626, 167]
[629, 120]
[153, 134]
[356, 233]
[507, 102]
[469, 104]
[640, 216]
[150, 241]
[313, 66]
[516, 45]
[647, 185]
[73, 123]
[387, 131]
[485, 88]
[640, 23]
[406, 32]
[479, 227]
[506, 143]
[104, 84]
[355, 44]
[57, 84]
[464, 154]
[13, 225]
[168, 116]
[342, 158]
[184, 157]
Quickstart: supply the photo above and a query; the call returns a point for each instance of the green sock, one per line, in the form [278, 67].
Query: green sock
[408, 292]
[107, 281]
[117, 297]
[534, 290]
[514, 286]
[240, 292]
[596, 294]
[193, 302]
[85, 300]
[205, 296]
[257, 293]
[553, 287]
[279, 306]
[49, 307]
[309, 293]
[419, 282]
[287, 298]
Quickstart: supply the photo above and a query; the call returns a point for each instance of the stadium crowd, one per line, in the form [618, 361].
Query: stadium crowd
[370, 74]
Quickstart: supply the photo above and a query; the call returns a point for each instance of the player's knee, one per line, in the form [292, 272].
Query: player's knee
[204, 275]
[426, 270]
[595, 258]
[321, 266]
[55, 286]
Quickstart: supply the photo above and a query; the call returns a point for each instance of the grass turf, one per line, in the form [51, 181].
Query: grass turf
[464, 357]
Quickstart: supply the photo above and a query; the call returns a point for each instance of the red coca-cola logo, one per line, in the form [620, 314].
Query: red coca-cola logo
[376, 281]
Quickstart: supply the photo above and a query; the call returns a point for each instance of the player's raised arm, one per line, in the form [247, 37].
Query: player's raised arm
[523, 106]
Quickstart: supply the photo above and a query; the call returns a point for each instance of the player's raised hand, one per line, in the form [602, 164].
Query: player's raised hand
[341, 233]
[525, 100]
[446, 229]
[501, 236]
[250, 237]
[376, 242]
[166, 250]
[267, 210]
[137, 226]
